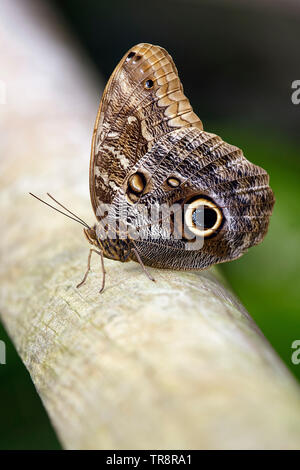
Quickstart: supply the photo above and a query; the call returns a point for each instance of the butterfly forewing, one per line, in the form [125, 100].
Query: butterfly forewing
[142, 101]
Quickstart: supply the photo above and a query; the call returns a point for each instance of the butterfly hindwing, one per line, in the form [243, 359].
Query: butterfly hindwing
[203, 166]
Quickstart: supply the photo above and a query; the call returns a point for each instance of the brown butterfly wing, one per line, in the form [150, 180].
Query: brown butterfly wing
[143, 100]
[206, 166]
[146, 124]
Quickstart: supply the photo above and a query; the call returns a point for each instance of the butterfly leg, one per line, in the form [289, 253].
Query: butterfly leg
[89, 268]
[142, 264]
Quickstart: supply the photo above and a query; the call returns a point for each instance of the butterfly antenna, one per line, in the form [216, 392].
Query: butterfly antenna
[76, 218]
[68, 210]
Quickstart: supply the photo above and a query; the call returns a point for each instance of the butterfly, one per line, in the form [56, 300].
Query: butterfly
[159, 183]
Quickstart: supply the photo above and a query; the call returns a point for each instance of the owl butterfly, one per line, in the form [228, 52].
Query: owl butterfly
[149, 149]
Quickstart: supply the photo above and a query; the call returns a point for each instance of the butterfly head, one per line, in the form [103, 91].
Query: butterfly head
[91, 235]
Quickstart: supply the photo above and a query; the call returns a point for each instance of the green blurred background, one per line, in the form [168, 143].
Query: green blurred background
[237, 61]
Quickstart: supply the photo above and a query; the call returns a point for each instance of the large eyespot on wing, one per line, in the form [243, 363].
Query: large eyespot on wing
[203, 217]
[142, 101]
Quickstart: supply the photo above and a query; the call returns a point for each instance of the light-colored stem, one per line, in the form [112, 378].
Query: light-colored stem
[172, 364]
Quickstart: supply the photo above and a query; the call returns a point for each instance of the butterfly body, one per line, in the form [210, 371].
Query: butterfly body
[113, 248]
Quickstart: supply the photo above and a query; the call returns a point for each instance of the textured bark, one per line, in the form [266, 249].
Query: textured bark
[172, 364]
